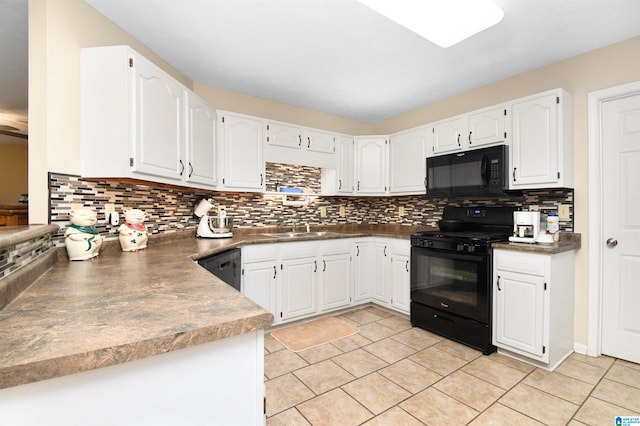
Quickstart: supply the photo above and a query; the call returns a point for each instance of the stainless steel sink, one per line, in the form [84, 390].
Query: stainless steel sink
[303, 234]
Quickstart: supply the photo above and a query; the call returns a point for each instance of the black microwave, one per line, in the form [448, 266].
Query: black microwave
[474, 173]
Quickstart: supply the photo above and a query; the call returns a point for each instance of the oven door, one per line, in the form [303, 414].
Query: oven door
[454, 282]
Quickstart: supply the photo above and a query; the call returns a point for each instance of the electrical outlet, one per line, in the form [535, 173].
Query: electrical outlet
[342, 212]
[108, 209]
[323, 211]
[534, 208]
[400, 211]
[563, 212]
[220, 207]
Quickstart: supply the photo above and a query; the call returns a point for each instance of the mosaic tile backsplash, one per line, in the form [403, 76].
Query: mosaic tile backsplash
[171, 209]
[17, 256]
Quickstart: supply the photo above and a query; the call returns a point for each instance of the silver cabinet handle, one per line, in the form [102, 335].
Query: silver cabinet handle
[406, 266]
[299, 140]
[470, 137]
[181, 167]
[358, 250]
[190, 169]
[308, 142]
[261, 179]
[514, 174]
[498, 283]
[274, 271]
[324, 265]
[339, 184]
[315, 266]
[385, 251]
[612, 242]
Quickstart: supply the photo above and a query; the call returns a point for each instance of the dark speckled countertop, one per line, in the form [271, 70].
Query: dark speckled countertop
[120, 307]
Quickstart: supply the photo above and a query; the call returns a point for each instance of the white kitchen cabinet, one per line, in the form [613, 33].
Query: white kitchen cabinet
[298, 280]
[242, 152]
[399, 277]
[371, 165]
[284, 135]
[378, 269]
[200, 138]
[319, 141]
[335, 275]
[533, 306]
[407, 166]
[542, 141]
[132, 118]
[291, 144]
[449, 135]
[362, 255]
[488, 126]
[259, 275]
[346, 164]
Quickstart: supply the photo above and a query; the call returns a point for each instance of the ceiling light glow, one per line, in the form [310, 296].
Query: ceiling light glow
[443, 22]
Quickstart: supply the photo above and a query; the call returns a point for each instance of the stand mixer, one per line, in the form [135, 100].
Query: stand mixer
[211, 226]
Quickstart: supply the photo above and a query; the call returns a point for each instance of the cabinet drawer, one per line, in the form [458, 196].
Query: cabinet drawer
[525, 263]
[259, 252]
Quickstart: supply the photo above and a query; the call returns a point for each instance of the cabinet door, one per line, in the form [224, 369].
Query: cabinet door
[407, 168]
[200, 141]
[519, 320]
[345, 165]
[371, 165]
[534, 144]
[298, 287]
[259, 284]
[400, 284]
[380, 258]
[448, 136]
[244, 161]
[362, 271]
[159, 122]
[283, 135]
[319, 141]
[487, 127]
[335, 281]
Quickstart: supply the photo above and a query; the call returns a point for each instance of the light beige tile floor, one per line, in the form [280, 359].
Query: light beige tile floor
[393, 374]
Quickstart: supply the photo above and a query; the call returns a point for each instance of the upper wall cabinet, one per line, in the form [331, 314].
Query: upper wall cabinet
[346, 164]
[407, 153]
[371, 165]
[288, 143]
[243, 167]
[449, 135]
[135, 121]
[542, 142]
[200, 138]
[488, 126]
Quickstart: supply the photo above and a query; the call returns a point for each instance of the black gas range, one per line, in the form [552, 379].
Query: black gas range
[451, 273]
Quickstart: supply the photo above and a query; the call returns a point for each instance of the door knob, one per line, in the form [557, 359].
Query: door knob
[612, 242]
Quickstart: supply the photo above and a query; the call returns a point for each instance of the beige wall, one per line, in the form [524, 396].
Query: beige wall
[13, 168]
[58, 28]
[607, 67]
[237, 102]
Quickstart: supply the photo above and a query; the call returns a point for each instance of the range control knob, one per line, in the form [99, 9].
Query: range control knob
[471, 248]
[460, 247]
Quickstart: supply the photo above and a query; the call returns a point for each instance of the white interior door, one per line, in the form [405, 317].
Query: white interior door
[621, 228]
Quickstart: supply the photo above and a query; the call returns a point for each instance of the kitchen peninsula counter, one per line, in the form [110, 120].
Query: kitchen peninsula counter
[120, 307]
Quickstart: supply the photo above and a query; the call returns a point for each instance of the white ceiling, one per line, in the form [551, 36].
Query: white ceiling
[340, 57]
[335, 56]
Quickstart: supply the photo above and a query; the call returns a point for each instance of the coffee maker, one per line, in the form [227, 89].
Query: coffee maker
[526, 226]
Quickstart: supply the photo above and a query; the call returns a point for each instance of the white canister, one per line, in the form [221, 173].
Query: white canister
[553, 224]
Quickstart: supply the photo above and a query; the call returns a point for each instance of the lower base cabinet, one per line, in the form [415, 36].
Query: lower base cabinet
[533, 306]
[301, 279]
